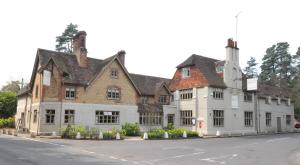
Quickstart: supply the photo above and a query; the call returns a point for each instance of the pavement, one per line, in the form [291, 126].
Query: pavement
[276, 149]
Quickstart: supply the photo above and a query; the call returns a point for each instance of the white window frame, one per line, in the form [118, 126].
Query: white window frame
[150, 118]
[248, 97]
[70, 93]
[186, 117]
[113, 93]
[163, 99]
[69, 117]
[114, 73]
[107, 117]
[218, 93]
[186, 94]
[186, 72]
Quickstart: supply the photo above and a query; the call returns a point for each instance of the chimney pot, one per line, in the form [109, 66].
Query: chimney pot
[121, 56]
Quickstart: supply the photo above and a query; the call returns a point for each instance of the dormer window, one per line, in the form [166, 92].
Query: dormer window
[163, 99]
[219, 69]
[144, 100]
[114, 73]
[70, 93]
[113, 93]
[185, 72]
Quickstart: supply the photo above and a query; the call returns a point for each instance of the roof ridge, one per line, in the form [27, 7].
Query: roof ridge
[149, 76]
[206, 57]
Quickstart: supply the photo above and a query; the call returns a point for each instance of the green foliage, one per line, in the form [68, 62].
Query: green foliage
[64, 42]
[277, 69]
[156, 134]
[131, 129]
[169, 126]
[8, 104]
[7, 123]
[175, 133]
[70, 131]
[13, 86]
[251, 70]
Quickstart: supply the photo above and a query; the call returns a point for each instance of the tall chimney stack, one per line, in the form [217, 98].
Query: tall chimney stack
[79, 48]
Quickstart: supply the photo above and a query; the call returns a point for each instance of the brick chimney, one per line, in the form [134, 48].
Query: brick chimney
[79, 48]
[121, 56]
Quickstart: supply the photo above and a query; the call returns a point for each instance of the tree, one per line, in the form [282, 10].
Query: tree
[13, 86]
[285, 70]
[251, 70]
[268, 67]
[8, 104]
[64, 42]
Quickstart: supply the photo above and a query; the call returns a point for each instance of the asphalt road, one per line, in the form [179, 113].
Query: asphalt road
[278, 149]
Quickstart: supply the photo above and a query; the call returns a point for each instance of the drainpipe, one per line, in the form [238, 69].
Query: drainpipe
[256, 112]
[196, 109]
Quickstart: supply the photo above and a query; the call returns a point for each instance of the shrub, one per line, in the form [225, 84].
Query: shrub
[156, 134]
[192, 134]
[131, 129]
[7, 123]
[70, 131]
[108, 135]
[170, 126]
[176, 133]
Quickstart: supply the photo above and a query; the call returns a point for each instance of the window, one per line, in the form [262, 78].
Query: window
[186, 117]
[268, 119]
[247, 97]
[163, 99]
[69, 116]
[278, 101]
[186, 94]
[70, 93]
[218, 117]
[144, 100]
[268, 100]
[114, 73]
[50, 115]
[219, 69]
[107, 117]
[171, 119]
[288, 119]
[248, 116]
[150, 118]
[113, 93]
[36, 91]
[34, 116]
[218, 93]
[185, 72]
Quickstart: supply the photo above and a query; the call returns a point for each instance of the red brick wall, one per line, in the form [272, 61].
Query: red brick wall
[196, 79]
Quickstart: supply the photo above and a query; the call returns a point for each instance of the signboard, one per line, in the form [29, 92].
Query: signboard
[107, 113]
[234, 101]
[252, 84]
[46, 77]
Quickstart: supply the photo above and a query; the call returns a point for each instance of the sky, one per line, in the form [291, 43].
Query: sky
[157, 35]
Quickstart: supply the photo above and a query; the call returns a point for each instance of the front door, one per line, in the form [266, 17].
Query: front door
[278, 124]
[171, 119]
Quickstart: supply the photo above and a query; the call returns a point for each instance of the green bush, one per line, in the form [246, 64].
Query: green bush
[175, 133]
[170, 126]
[156, 134]
[131, 129]
[70, 131]
[108, 135]
[7, 123]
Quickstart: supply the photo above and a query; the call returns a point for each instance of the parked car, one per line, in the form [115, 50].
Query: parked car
[297, 124]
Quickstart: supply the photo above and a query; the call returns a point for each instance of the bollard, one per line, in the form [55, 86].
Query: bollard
[53, 133]
[78, 135]
[145, 136]
[100, 135]
[184, 135]
[218, 133]
[118, 136]
[166, 135]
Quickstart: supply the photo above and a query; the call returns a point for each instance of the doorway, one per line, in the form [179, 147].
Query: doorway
[171, 119]
[278, 124]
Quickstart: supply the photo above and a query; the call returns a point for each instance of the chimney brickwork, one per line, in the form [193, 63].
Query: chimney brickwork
[79, 48]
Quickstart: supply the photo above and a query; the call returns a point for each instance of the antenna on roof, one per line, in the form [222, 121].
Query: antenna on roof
[236, 25]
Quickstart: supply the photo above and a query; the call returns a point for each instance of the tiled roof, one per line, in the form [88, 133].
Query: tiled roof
[23, 91]
[68, 64]
[207, 67]
[148, 85]
[273, 91]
